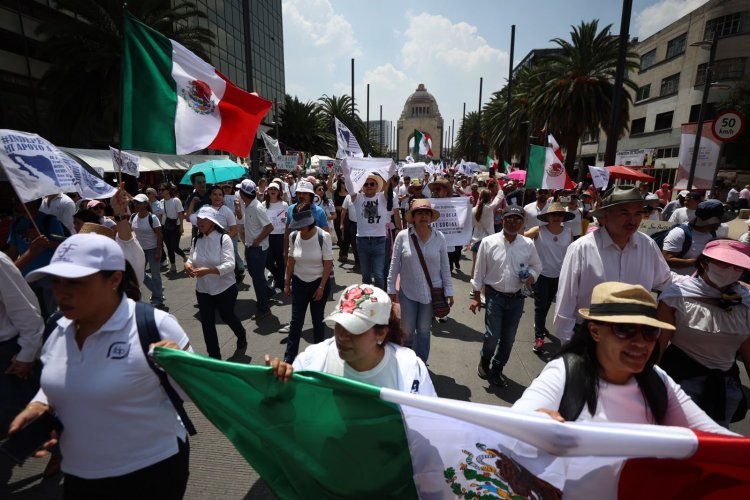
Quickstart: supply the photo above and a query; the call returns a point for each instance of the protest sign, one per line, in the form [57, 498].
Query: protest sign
[356, 171]
[650, 227]
[599, 176]
[414, 172]
[286, 162]
[126, 163]
[278, 217]
[455, 219]
[328, 166]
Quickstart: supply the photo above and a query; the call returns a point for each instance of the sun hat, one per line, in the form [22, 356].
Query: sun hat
[82, 255]
[514, 210]
[140, 198]
[248, 187]
[210, 213]
[421, 204]
[619, 195]
[274, 185]
[379, 180]
[712, 212]
[415, 183]
[305, 187]
[361, 307]
[683, 193]
[441, 182]
[301, 219]
[729, 251]
[93, 228]
[94, 203]
[615, 302]
[651, 197]
[555, 208]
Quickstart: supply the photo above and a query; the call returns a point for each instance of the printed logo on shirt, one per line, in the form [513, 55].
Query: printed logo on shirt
[371, 212]
[118, 350]
[415, 387]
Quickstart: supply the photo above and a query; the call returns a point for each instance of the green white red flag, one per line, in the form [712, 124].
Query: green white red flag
[175, 102]
[546, 171]
[555, 148]
[422, 143]
[322, 436]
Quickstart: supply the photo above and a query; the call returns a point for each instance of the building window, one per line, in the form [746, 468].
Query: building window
[732, 24]
[708, 113]
[670, 85]
[637, 126]
[643, 93]
[648, 59]
[676, 46]
[663, 121]
[725, 69]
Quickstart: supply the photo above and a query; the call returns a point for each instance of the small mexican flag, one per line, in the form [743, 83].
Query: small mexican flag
[175, 102]
[422, 143]
[546, 171]
[322, 436]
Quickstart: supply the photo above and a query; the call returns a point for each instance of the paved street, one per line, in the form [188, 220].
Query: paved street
[218, 471]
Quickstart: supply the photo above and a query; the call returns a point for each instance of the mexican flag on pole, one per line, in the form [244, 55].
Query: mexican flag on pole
[175, 102]
[546, 171]
[422, 143]
[321, 436]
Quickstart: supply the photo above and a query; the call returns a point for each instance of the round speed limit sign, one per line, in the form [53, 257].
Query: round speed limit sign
[728, 125]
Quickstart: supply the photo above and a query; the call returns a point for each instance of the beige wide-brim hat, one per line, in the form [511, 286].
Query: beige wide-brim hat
[421, 204]
[615, 302]
[377, 179]
[441, 182]
[555, 208]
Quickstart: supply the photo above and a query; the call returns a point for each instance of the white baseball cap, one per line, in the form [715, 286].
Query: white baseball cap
[82, 255]
[360, 308]
[140, 198]
[210, 213]
[305, 187]
[248, 187]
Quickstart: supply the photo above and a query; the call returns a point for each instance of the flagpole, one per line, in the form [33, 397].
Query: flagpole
[119, 166]
[352, 91]
[506, 154]
[479, 117]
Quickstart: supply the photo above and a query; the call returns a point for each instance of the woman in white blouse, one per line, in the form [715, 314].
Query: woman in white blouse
[414, 295]
[211, 261]
[276, 209]
[308, 268]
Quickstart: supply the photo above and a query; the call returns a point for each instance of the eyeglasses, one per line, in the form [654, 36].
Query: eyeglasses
[370, 184]
[626, 331]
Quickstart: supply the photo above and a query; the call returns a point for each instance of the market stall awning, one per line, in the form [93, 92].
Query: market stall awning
[150, 162]
[628, 173]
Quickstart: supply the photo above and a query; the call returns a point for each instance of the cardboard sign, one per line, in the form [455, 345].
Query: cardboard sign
[455, 219]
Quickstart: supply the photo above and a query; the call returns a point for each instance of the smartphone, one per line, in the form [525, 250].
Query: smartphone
[21, 445]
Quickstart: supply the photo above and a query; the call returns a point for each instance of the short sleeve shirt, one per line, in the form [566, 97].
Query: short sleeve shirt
[372, 215]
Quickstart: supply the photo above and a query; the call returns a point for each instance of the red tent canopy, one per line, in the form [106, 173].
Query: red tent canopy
[623, 172]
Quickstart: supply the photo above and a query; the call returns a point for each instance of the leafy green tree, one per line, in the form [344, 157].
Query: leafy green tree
[467, 139]
[303, 127]
[341, 108]
[84, 47]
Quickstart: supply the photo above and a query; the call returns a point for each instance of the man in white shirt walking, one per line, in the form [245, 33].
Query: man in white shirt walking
[686, 213]
[535, 208]
[506, 262]
[257, 228]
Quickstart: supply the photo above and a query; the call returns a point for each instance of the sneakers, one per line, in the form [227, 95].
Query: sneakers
[241, 343]
[285, 329]
[497, 378]
[161, 307]
[483, 369]
[538, 344]
[260, 315]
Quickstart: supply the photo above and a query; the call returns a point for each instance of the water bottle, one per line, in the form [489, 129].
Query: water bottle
[523, 275]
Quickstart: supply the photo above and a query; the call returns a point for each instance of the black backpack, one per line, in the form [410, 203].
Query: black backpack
[148, 334]
[660, 236]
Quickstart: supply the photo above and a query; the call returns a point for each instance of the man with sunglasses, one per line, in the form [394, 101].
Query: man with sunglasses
[372, 218]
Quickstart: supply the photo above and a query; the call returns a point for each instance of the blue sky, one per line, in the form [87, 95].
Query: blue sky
[447, 45]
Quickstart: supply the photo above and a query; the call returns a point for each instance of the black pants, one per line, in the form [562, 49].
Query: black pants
[350, 239]
[302, 294]
[172, 241]
[454, 257]
[208, 305]
[275, 259]
[165, 480]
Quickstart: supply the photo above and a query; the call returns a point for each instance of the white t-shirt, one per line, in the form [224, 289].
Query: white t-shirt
[350, 208]
[144, 231]
[676, 238]
[117, 417]
[309, 256]
[551, 249]
[172, 207]
[277, 214]
[385, 373]
[575, 224]
[532, 211]
[133, 253]
[228, 214]
[255, 220]
[682, 216]
[403, 190]
[372, 215]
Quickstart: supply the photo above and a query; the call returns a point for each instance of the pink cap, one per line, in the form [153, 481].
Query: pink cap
[729, 251]
[94, 203]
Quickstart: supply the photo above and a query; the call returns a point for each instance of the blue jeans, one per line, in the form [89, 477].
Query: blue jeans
[696, 386]
[224, 303]
[372, 259]
[545, 290]
[416, 319]
[239, 266]
[501, 318]
[302, 296]
[256, 265]
[152, 279]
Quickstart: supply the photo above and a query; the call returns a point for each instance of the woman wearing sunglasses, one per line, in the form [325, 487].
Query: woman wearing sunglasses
[606, 372]
[711, 312]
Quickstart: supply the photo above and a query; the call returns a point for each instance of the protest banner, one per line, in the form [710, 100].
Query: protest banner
[707, 160]
[126, 163]
[455, 219]
[286, 162]
[329, 166]
[413, 171]
[599, 176]
[278, 217]
[650, 227]
[356, 171]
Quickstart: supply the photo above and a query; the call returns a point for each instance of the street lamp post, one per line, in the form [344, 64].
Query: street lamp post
[704, 99]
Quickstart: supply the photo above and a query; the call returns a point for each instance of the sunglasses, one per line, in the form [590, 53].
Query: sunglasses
[626, 331]
[370, 184]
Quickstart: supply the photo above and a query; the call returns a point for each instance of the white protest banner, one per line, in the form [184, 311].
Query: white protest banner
[286, 162]
[650, 227]
[272, 145]
[356, 171]
[100, 171]
[36, 168]
[347, 143]
[707, 161]
[328, 166]
[278, 217]
[455, 219]
[126, 163]
[599, 176]
[413, 171]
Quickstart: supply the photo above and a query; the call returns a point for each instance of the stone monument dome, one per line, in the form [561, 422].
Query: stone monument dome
[420, 112]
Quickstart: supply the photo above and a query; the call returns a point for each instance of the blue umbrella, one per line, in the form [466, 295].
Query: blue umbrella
[215, 171]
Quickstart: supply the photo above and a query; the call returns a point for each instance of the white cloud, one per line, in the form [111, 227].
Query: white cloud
[662, 14]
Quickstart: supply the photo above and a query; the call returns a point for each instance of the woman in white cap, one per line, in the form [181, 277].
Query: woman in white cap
[147, 229]
[711, 312]
[420, 260]
[211, 261]
[607, 371]
[276, 209]
[121, 433]
[366, 346]
[307, 279]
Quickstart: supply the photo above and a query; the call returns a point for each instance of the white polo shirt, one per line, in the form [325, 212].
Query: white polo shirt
[117, 417]
[255, 220]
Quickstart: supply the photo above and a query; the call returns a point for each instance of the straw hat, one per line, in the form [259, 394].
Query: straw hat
[555, 208]
[441, 182]
[379, 180]
[421, 204]
[614, 302]
[91, 227]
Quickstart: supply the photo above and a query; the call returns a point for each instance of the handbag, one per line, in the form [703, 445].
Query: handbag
[440, 307]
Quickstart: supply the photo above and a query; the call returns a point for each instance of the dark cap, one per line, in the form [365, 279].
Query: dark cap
[712, 212]
[694, 195]
[514, 210]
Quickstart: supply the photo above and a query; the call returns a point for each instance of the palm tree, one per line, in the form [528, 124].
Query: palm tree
[303, 127]
[341, 108]
[467, 138]
[575, 88]
[84, 46]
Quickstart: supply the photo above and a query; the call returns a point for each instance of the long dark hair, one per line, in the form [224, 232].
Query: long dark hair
[129, 284]
[583, 345]
[484, 198]
[395, 333]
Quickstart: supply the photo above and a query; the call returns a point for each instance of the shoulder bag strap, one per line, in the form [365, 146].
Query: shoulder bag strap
[421, 260]
[148, 334]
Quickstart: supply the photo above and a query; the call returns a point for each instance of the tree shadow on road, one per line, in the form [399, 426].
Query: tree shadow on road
[455, 330]
[446, 387]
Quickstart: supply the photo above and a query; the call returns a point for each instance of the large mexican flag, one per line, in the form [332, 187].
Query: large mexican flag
[422, 143]
[321, 436]
[175, 102]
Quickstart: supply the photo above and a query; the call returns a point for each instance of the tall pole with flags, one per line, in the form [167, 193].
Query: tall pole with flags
[479, 119]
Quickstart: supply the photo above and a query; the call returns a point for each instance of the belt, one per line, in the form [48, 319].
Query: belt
[504, 294]
[371, 237]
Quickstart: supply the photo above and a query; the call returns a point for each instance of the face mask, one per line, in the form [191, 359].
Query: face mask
[722, 276]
